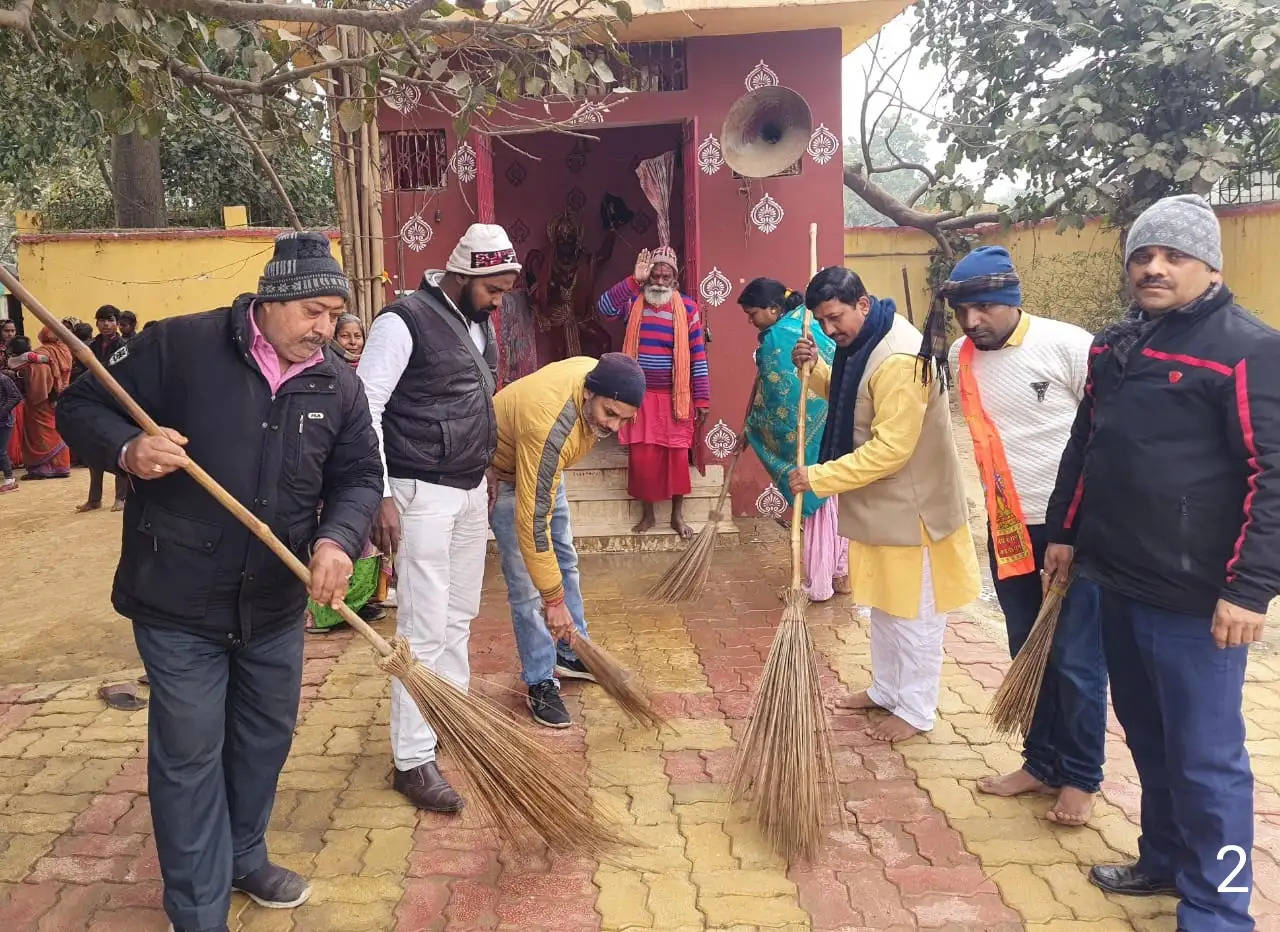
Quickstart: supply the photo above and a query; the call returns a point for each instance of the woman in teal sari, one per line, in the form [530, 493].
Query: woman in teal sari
[778, 313]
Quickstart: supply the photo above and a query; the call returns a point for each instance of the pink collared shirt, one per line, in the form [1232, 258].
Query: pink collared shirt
[264, 354]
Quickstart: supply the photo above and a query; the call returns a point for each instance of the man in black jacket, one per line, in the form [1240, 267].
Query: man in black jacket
[251, 393]
[1169, 493]
[429, 368]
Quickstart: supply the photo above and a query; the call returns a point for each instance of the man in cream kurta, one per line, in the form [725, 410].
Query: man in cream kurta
[902, 506]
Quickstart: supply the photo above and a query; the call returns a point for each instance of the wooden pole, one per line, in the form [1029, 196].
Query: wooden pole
[906, 290]
[797, 509]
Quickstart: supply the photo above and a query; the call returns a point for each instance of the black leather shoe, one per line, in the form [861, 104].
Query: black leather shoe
[1128, 880]
[274, 887]
[426, 788]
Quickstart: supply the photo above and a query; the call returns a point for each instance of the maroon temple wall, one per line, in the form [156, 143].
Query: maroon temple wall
[735, 242]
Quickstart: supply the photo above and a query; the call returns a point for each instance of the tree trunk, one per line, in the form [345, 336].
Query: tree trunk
[138, 188]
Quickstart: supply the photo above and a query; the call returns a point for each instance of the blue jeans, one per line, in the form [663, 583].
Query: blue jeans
[219, 728]
[1178, 697]
[537, 648]
[1065, 745]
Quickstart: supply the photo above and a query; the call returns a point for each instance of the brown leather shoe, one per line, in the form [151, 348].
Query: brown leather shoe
[427, 788]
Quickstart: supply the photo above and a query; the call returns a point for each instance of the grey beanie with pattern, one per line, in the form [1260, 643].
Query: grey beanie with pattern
[1184, 222]
[303, 267]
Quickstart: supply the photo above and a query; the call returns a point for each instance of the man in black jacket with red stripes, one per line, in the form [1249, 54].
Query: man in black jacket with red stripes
[1168, 501]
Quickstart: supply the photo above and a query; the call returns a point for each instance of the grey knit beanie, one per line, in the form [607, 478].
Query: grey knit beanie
[1185, 222]
[302, 267]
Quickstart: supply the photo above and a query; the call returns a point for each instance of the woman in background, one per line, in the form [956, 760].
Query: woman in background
[44, 454]
[348, 343]
[778, 313]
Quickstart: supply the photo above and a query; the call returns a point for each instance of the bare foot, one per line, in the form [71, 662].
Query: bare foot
[685, 532]
[1013, 784]
[841, 585]
[1073, 808]
[645, 523]
[857, 701]
[88, 506]
[118, 505]
[892, 729]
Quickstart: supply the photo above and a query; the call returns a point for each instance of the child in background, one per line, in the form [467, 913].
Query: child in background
[10, 398]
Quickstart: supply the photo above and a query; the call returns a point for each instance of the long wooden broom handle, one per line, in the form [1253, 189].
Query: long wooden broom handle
[797, 510]
[142, 419]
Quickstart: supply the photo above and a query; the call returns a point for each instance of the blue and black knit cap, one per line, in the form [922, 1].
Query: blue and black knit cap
[303, 267]
[619, 377]
[984, 276]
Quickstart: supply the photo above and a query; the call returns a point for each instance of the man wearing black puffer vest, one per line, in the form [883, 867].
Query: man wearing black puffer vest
[252, 394]
[430, 370]
[1169, 493]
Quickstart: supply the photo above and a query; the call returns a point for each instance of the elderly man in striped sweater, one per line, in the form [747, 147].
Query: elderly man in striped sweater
[1020, 379]
[664, 333]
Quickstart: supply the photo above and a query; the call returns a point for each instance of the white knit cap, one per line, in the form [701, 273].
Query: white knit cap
[485, 249]
[667, 256]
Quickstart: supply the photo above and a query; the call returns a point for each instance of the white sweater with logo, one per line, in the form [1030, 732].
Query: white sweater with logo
[1030, 389]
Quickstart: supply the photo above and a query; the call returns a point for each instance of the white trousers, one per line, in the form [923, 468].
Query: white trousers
[439, 572]
[906, 658]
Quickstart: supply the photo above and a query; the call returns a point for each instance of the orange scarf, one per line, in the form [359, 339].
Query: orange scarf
[1012, 543]
[681, 393]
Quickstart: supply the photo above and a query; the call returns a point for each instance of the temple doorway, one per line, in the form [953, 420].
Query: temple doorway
[575, 211]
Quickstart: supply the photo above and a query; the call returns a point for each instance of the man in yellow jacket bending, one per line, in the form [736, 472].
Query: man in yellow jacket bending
[887, 451]
[548, 421]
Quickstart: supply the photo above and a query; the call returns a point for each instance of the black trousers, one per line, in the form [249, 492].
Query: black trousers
[220, 725]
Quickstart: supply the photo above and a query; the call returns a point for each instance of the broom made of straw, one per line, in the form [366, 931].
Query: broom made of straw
[688, 574]
[1014, 704]
[617, 681]
[524, 788]
[784, 760]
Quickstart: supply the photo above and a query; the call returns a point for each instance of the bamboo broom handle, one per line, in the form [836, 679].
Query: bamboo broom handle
[797, 511]
[210, 485]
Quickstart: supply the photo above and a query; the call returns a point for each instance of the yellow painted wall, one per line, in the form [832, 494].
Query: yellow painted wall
[154, 273]
[1072, 275]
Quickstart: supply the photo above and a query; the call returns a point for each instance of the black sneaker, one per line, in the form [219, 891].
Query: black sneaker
[573, 669]
[546, 706]
[274, 887]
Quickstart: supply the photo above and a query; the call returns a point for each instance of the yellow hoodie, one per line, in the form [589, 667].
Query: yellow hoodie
[540, 434]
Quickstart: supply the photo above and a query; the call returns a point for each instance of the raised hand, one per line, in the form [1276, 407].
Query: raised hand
[644, 265]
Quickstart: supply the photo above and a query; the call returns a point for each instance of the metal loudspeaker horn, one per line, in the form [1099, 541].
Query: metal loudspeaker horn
[766, 131]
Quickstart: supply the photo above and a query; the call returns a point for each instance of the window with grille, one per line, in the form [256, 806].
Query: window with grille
[413, 160]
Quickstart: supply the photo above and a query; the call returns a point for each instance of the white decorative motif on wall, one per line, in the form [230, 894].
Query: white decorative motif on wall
[771, 504]
[823, 145]
[714, 287]
[721, 439]
[463, 162]
[589, 112]
[767, 214]
[416, 233]
[404, 97]
[710, 156]
[761, 76]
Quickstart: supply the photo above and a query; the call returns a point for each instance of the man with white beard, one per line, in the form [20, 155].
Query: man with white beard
[664, 334]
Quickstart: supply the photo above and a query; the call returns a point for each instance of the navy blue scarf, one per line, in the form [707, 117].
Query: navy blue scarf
[846, 375]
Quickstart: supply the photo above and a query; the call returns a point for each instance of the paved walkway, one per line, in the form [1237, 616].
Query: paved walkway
[921, 850]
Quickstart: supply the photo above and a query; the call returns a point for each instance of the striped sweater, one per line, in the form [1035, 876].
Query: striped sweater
[657, 340]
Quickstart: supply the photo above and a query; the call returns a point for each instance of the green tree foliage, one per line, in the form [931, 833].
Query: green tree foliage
[909, 142]
[1103, 106]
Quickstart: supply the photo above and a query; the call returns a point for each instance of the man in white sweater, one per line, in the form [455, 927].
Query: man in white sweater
[1020, 379]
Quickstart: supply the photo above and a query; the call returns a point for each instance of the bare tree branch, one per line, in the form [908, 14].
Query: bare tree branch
[19, 17]
[264, 162]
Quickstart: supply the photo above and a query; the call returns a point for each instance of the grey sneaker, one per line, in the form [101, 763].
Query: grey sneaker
[573, 669]
[274, 887]
[546, 706]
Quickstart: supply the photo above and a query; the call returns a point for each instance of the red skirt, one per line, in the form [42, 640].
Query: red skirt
[656, 473]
